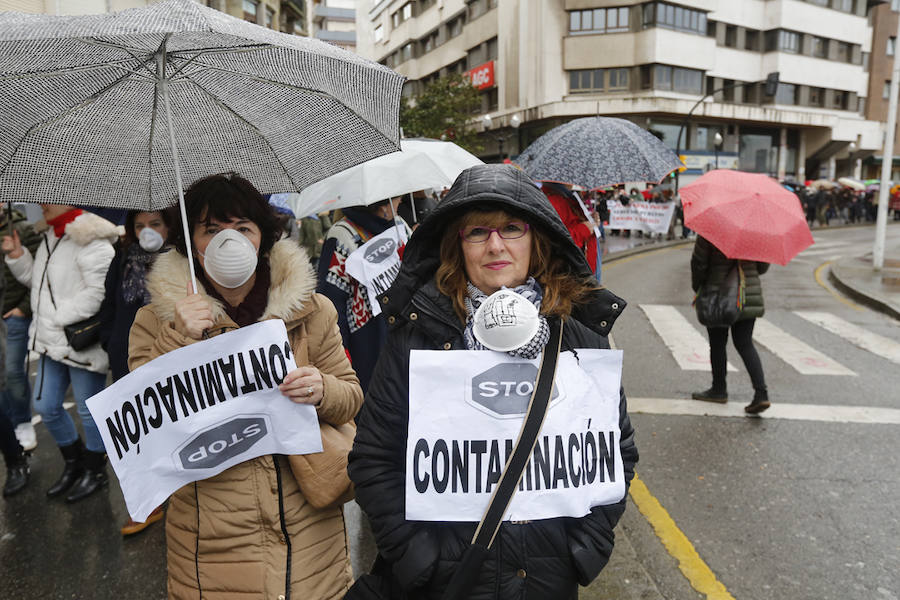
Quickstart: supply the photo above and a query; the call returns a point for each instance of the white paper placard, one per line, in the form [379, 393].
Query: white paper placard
[198, 410]
[465, 412]
[376, 263]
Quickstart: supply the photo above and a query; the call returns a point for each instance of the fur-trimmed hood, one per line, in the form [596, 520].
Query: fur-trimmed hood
[88, 227]
[293, 283]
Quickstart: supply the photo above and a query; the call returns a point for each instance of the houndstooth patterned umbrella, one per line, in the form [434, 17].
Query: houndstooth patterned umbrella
[596, 152]
[84, 106]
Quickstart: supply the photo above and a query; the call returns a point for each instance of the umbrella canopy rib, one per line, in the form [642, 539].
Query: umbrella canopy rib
[263, 138]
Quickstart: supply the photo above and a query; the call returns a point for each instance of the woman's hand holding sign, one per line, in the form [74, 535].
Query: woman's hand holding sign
[304, 385]
[193, 315]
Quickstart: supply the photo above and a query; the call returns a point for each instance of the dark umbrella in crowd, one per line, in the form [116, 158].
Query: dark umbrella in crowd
[117, 110]
[596, 152]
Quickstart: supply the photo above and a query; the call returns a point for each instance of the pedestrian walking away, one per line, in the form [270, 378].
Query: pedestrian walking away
[709, 268]
[249, 531]
[494, 232]
[66, 277]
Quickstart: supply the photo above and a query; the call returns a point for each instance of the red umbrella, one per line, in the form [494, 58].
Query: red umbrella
[746, 215]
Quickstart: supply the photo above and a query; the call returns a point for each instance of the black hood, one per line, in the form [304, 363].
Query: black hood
[488, 187]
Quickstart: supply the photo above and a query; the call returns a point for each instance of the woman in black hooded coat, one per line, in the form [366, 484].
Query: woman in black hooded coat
[532, 560]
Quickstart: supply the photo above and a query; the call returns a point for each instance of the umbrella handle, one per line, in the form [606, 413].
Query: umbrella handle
[184, 220]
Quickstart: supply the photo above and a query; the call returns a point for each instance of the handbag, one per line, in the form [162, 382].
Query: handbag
[722, 307]
[322, 476]
[81, 334]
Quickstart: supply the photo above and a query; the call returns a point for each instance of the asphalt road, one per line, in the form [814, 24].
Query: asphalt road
[797, 508]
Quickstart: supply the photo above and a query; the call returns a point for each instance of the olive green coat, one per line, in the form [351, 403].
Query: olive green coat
[709, 267]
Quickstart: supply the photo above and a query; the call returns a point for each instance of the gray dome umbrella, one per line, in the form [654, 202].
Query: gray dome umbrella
[596, 152]
[115, 110]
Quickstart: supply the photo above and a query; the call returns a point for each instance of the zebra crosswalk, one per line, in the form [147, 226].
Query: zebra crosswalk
[687, 342]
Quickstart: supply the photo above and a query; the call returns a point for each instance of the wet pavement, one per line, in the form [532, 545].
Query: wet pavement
[53, 550]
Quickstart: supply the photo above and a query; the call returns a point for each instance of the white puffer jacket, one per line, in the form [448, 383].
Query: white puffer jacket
[76, 272]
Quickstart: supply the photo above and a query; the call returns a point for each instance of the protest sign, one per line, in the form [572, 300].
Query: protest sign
[198, 410]
[652, 217]
[376, 263]
[465, 412]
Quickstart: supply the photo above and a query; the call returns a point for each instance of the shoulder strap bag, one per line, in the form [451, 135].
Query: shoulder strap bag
[467, 571]
[81, 334]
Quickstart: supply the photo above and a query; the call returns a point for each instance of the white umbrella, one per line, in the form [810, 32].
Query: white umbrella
[852, 183]
[420, 164]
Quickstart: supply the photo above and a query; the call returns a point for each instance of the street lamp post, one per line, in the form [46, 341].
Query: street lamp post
[717, 142]
[771, 83]
[486, 122]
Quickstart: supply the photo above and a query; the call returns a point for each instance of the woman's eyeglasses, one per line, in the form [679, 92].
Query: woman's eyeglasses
[478, 234]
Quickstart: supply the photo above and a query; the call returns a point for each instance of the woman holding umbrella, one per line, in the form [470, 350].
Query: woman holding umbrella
[709, 267]
[249, 531]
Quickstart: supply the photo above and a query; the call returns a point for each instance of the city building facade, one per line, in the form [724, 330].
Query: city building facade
[652, 62]
[883, 19]
[288, 16]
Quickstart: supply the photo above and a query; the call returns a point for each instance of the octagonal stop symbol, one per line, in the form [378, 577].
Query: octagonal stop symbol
[505, 389]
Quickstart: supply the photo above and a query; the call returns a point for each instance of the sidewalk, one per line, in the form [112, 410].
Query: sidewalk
[879, 290]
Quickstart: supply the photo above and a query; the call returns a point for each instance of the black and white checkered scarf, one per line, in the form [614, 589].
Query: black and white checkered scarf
[531, 289]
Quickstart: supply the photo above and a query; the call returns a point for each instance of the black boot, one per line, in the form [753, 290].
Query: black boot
[71, 472]
[93, 479]
[759, 404]
[17, 472]
[713, 394]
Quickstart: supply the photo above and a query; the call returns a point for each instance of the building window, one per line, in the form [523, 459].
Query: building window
[406, 52]
[401, 14]
[663, 14]
[270, 18]
[477, 8]
[731, 36]
[819, 47]
[788, 41]
[845, 5]
[844, 51]
[751, 40]
[378, 32]
[250, 10]
[455, 27]
[688, 81]
[426, 4]
[786, 94]
[841, 100]
[816, 96]
[886, 92]
[891, 45]
[895, 5]
[599, 20]
[618, 79]
[430, 42]
[586, 80]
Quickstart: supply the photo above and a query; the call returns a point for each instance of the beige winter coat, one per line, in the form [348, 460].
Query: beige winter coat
[225, 535]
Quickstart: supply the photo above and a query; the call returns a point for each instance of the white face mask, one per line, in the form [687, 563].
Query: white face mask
[230, 259]
[150, 239]
[505, 321]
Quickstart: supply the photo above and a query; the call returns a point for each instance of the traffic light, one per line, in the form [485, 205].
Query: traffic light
[772, 83]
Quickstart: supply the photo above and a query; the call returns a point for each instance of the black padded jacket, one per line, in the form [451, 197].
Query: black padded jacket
[534, 560]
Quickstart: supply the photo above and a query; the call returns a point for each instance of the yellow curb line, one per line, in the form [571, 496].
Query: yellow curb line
[820, 281]
[698, 574]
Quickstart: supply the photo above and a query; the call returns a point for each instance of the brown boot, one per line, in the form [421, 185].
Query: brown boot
[132, 526]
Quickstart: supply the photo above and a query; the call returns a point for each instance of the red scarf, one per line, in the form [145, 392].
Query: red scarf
[59, 222]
